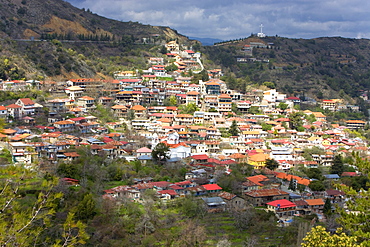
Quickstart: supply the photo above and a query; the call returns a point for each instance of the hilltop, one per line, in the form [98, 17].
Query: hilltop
[323, 67]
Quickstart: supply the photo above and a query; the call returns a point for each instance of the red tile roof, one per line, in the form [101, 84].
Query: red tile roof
[170, 192]
[211, 187]
[27, 101]
[200, 157]
[283, 203]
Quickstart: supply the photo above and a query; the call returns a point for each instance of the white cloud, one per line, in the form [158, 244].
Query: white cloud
[239, 18]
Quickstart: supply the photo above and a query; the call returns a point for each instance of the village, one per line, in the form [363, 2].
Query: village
[203, 126]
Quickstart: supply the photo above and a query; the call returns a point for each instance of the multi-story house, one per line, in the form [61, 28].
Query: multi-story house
[105, 101]
[3, 111]
[331, 104]
[224, 103]
[273, 96]
[281, 153]
[86, 102]
[192, 97]
[198, 117]
[184, 119]
[213, 87]
[65, 125]
[139, 111]
[355, 124]
[282, 208]
[243, 106]
[210, 102]
[58, 105]
[22, 152]
[27, 106]
[212, 146]
[74, 92]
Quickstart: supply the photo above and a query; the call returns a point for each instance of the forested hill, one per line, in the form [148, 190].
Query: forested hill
[323, 67]
[91, 45]
[23, 19]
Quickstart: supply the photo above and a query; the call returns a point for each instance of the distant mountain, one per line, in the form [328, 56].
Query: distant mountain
[206, 41]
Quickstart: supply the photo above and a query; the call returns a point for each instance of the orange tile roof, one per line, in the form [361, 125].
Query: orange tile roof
[86, 98]
[138, 108]
[119, 107]
[13, 106]
[315, 202]
[355, 121]
[261, 157]
[193, 93]
[257, 179]
[224, 96]
[184, 116]
[212, 83]
[8, 131]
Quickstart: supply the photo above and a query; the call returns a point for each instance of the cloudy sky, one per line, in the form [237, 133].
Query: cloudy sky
[232, 19]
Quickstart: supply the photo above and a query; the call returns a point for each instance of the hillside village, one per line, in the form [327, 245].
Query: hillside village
[201, 125]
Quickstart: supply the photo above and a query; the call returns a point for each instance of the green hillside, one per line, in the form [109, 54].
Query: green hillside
[322, 67]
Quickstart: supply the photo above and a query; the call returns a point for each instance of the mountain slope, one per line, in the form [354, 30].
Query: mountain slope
[90, 45]
[322, 67]
[22, 19]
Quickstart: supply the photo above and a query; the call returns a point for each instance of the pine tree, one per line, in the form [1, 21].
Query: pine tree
[337, 167]
[272, 164]
[234, 130]
[292, 185]
[327, 207]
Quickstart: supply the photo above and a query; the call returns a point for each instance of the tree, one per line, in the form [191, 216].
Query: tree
[327, 207]
[314, 173]
[319, 237]
[160, 153]
[292, 185]
[282, 106]
[357, 216]
[189, 108]
[86, 209]
[163, 50]
[272, 164]
[171, 67]
[2, 123]
[316, 185]
[266, 127]
[337, 167]
[26, 218]
[130, 115]
[254, 110]
[269, 84]
[73, 233]
[170, 101]
[296, 120]
[234, 129]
